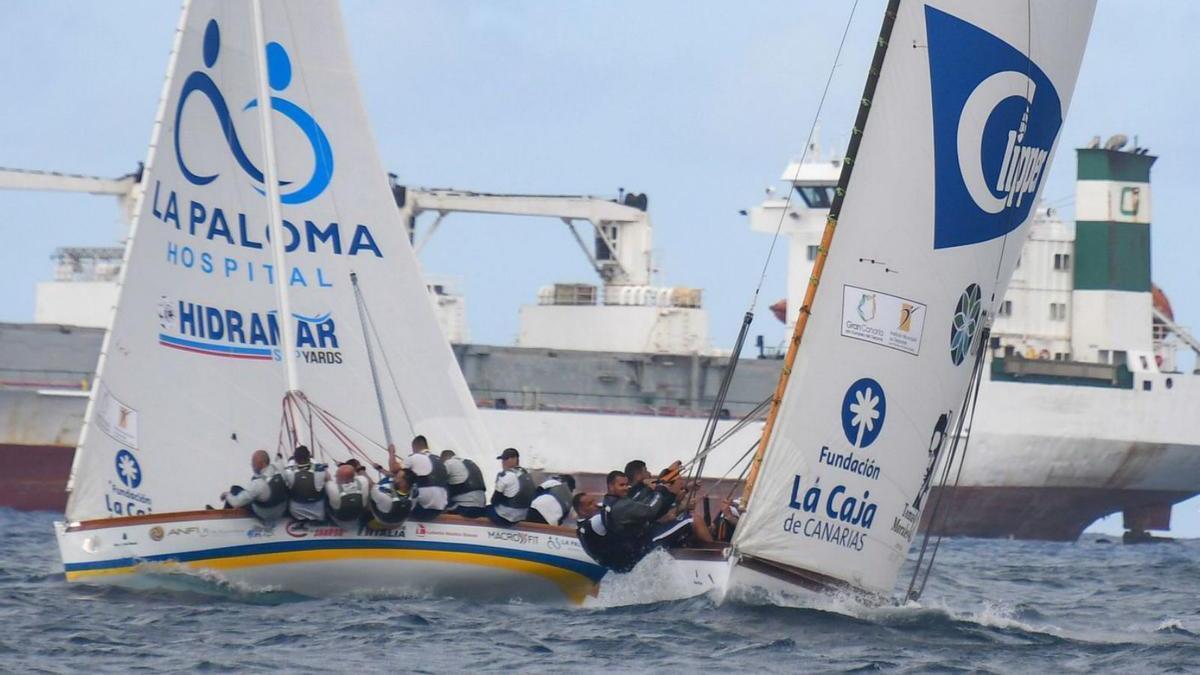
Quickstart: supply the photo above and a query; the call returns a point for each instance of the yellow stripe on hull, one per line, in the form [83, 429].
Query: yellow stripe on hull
[573, 585]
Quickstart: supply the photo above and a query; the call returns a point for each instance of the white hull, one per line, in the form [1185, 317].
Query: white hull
[450, 557]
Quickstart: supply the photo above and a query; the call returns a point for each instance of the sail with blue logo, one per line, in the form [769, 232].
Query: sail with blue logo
[191, 379]
[962, 114]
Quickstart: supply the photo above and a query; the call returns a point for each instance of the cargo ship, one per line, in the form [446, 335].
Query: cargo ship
[1084, 410]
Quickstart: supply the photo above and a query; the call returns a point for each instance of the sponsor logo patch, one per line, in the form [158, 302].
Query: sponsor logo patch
[996, 116]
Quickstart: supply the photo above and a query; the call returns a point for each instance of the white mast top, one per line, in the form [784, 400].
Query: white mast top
[271, 183]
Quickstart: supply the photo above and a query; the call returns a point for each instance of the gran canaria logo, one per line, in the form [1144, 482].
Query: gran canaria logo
[279, 76]
[995, 118]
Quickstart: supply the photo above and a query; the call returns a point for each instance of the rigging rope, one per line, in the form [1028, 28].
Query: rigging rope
[705, 446]
[387, 364]
[970, 399]
[803, 155]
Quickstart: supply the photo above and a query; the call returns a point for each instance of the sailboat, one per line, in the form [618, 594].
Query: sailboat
[238, 328]
[956, 130]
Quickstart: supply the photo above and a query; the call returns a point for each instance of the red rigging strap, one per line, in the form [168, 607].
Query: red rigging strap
[860, 123]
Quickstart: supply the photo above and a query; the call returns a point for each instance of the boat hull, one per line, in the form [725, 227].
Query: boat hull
[452, 557]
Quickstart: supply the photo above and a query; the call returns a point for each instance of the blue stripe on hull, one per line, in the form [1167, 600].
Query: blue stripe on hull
[589, 570]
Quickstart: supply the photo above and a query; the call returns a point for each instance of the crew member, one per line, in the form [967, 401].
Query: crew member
[306, 486]
[391, 502]
[514, 491]
[727, 520]
[639, 477]
[552, 503]
[591, 529]
[429, 475]
[629, 524]
[267, 494]
[347, 495]
[592, 525]
[464, 483]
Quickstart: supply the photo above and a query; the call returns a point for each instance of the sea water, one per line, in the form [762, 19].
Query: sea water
[1000, 606]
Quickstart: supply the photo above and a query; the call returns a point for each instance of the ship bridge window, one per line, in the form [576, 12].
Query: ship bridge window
[1062, 261]
[1005, 308]
[817, 196]
[1058, 311]
[812, 252]
[1146, 385]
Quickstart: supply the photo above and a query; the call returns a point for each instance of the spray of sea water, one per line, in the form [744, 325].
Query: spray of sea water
[998, 606]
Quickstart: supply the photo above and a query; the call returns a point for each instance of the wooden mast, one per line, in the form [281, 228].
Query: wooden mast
[860, 123]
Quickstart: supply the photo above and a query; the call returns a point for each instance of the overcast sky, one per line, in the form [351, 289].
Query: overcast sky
[698, 104]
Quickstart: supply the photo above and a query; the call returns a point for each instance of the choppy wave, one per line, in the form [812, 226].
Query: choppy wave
[996, 606]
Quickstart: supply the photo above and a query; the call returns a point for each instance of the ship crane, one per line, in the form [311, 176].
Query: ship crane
[621, 254]
[1179, 331]
[124, 188]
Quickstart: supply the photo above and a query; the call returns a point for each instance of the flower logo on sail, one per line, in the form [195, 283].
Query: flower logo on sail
[864, 408]
[279, 76]
[966, 321]
[128, 469]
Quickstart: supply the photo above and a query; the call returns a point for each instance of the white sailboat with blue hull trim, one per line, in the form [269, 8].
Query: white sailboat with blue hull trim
[958, 123]
[218, 321]
[957, 128]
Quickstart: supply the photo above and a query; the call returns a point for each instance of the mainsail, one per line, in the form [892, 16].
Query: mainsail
[965, 102]
[190, 380]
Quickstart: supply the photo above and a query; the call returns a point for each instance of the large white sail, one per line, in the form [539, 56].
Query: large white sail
[962, 120]
[190, 381]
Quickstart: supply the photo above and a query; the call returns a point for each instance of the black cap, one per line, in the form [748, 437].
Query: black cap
[508, 453]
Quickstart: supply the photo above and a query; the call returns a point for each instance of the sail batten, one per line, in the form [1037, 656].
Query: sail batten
[191, 381]
[940, 183]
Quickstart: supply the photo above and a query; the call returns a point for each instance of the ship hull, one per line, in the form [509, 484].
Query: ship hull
[1044, 460]
[34, 476]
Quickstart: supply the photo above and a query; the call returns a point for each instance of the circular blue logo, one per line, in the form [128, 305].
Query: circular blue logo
[128, 469]
[966, 321]
[863, 410]
[279, 76]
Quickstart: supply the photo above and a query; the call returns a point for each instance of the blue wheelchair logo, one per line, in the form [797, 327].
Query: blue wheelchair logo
[995, 118]
[279, 76]
[128, 469]
[864, 408]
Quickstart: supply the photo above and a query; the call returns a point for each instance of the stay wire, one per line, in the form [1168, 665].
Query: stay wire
[387, 364]
[803, 155]
[957, 477]
[970, 400]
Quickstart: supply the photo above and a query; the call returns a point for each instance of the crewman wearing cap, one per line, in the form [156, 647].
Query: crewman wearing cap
[514, 491]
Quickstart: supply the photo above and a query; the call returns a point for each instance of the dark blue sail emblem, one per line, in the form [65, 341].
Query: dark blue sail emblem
[995, 118]
[279, 75]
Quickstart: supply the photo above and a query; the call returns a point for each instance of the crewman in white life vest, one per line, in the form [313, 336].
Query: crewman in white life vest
[552, 501]
[392, 500]
[267, 493]
[464, 483]
[427, 473]
[306, 486]
[347, 495]
[514, 491]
